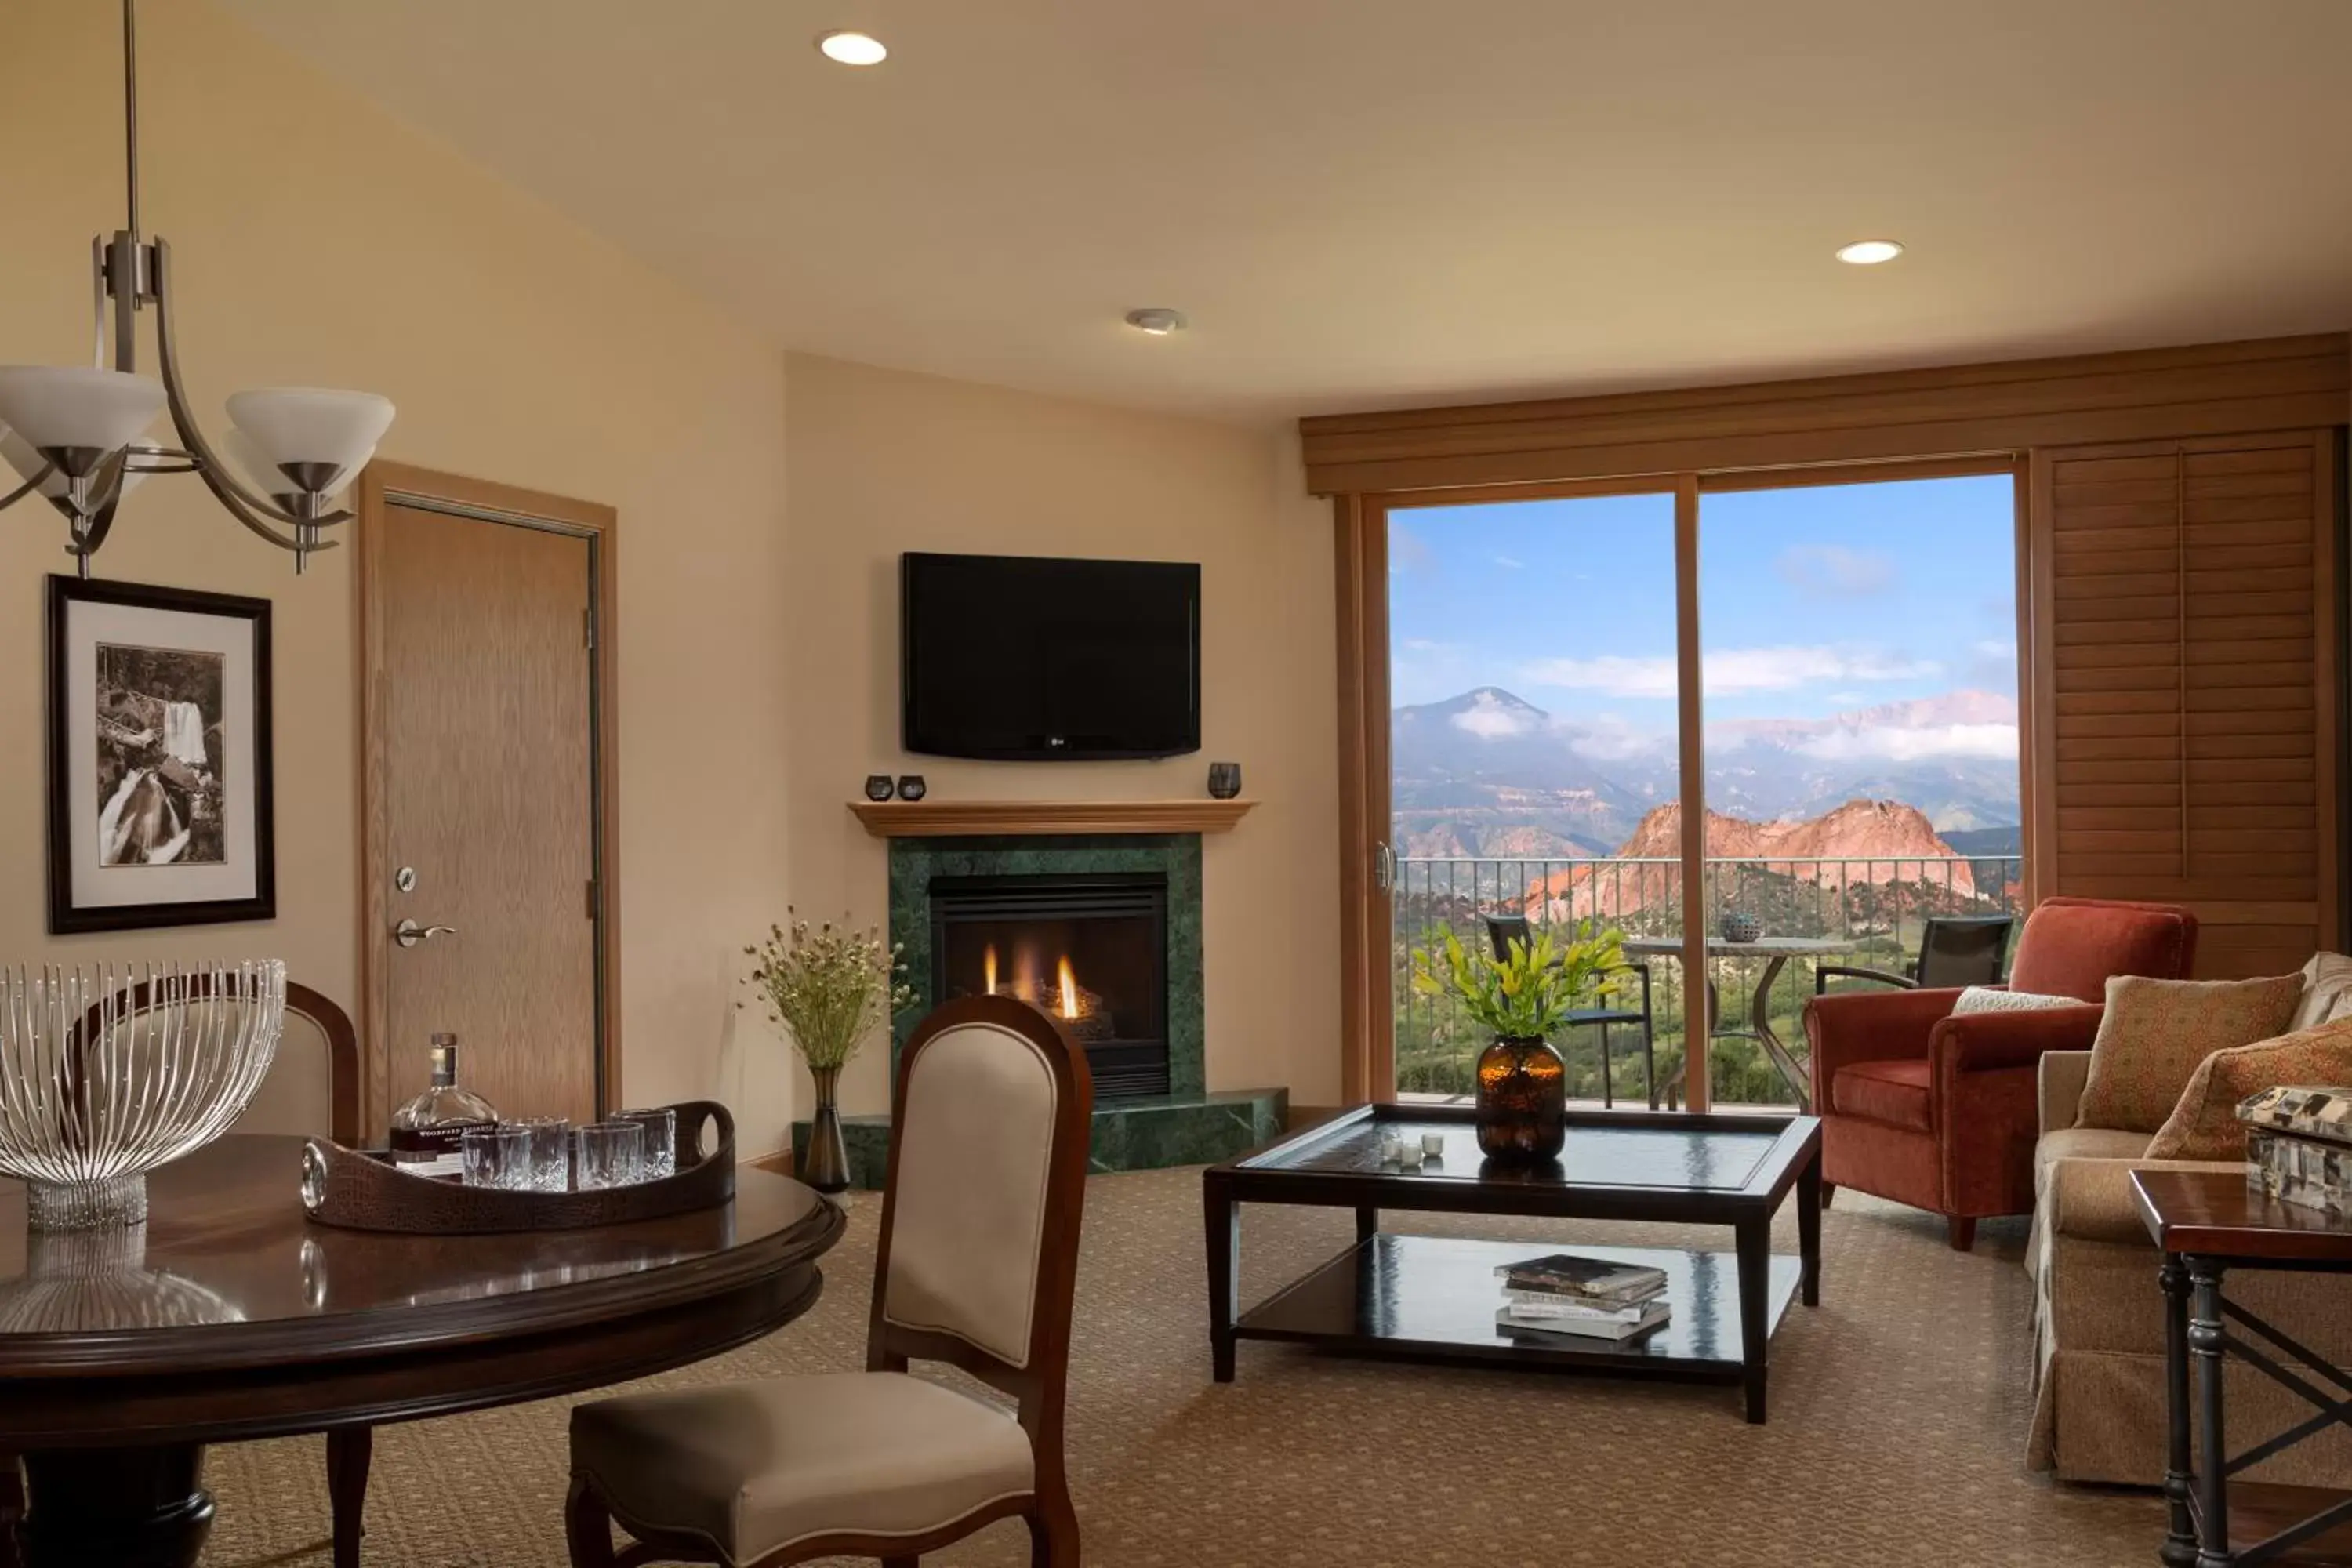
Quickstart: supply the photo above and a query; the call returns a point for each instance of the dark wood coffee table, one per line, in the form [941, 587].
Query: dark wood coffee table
[1433, 1298]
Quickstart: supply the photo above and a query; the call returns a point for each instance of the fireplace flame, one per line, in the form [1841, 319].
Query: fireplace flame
[988, 963]
[1069, 983]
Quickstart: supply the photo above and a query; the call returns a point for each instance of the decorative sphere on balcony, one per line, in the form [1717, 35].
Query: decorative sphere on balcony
[1740, 928]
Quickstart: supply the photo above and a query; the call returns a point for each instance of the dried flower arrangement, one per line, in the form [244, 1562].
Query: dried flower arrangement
[827, 988]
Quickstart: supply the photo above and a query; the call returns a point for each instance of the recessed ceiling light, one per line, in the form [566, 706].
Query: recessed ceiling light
[1158, 319]
[1869, 252]
[852, 49]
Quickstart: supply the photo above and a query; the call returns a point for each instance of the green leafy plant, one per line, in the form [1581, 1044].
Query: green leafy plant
[1526, 992]
[827, 988]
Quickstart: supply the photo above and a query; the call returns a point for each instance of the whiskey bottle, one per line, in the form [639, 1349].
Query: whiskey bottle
[432, 1123]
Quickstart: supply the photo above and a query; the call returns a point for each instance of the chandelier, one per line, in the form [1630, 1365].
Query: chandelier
[75, 433]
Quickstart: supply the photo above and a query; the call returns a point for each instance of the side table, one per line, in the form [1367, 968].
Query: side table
[2206, 1223]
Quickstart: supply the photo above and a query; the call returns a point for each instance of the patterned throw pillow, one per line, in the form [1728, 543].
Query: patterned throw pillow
[2205, 1125]
[1986, 999]
[2155, 1032]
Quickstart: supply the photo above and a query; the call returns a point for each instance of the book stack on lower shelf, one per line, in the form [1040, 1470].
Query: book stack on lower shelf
[1561, 1293]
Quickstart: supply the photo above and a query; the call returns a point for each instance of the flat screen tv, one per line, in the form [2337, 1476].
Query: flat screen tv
[1030, 657]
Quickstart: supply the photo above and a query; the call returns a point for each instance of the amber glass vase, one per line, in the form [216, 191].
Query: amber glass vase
[1522, 1101]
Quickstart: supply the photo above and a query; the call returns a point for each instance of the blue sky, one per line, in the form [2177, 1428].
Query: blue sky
[1814, 602]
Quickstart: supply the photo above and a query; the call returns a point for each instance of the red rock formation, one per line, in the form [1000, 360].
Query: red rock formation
[1863, 841]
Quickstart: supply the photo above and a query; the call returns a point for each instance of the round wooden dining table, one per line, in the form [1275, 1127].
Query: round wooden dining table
[230, 1316]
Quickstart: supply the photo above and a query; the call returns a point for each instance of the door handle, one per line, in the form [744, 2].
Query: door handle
[408, 933]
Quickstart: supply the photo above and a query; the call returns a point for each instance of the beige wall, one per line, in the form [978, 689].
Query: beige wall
[881, 462]
[320, 243]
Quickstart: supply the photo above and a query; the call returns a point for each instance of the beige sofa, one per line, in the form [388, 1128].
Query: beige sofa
[2099, 1385]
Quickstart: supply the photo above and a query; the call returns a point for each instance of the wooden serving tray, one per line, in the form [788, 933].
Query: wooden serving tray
[362, 1189]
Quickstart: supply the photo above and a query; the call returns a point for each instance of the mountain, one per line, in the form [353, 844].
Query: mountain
[1996, 857]
[1860, 843]
[1954, 756]
[2001, 842]
[1488, 774]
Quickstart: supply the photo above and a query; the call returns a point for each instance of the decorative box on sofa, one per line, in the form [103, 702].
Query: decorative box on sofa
[2099, 1401]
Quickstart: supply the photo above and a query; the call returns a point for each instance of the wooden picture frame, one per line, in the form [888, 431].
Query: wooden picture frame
[160, 797]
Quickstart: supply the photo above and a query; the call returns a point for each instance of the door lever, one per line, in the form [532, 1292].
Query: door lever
[408, 933]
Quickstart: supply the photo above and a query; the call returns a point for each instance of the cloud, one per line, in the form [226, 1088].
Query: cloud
[1429, 670]
[1490, 721]
[1729, 672]
[1895, 744]
[1408, 556]
[1834, 572]
[1613, 673]
[1610, 739]
[1992, 661]
[1509, 563]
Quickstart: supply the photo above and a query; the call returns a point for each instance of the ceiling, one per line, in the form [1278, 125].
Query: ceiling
[1372, 203]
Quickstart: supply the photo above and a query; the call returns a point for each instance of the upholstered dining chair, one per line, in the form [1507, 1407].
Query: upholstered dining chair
[312, 1088]
[974, 1266]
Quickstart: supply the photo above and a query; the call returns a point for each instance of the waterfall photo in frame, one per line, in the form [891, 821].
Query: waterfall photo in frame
[159, 786]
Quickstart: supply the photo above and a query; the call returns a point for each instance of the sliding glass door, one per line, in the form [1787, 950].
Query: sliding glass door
[1861, 727]
[1853, 763]
[1533, 756]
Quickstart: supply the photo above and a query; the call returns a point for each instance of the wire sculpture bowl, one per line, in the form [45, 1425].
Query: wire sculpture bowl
[107, 1072]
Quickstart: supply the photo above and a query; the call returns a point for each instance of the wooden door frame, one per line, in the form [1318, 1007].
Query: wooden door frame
[1366, 1003]
[1360, 537]
[383, 485]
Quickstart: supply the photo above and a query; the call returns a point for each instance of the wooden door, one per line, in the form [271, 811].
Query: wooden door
[2186, 669]
[483, 760]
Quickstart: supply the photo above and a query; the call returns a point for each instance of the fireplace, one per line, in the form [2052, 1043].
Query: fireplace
[1124, 907]
[1087, 948]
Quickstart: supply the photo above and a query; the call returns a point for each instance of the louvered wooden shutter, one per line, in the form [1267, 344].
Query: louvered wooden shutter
[2184, 666]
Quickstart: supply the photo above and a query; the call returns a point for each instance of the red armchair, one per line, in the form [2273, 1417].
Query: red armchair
[1939, 1112]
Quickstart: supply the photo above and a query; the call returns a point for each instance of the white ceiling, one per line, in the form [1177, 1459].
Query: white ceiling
[1364, 203]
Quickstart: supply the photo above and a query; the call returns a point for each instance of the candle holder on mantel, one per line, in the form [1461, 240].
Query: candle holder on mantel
[109, 1071]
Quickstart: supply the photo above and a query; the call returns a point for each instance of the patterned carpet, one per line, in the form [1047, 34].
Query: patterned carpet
[1898, 1423]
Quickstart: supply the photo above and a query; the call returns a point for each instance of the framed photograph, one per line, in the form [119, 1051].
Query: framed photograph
[160, 801]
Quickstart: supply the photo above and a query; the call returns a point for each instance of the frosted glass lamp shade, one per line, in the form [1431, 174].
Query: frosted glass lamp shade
[28, 462]
[293, 426]
[55, 406]
[260, 472]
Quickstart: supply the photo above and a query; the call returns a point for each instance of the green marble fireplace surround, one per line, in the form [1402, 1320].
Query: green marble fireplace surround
[1175, 856]
[1186, 1126]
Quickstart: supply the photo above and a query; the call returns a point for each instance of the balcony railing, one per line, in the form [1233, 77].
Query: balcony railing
[1872, 907]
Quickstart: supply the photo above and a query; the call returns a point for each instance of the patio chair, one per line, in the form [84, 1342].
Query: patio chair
[1504, 930]
[1954, 949]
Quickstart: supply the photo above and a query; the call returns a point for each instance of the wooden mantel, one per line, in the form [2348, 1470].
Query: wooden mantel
[982, 818]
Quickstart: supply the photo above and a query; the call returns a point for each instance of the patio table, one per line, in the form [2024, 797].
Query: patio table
[1776, 952]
